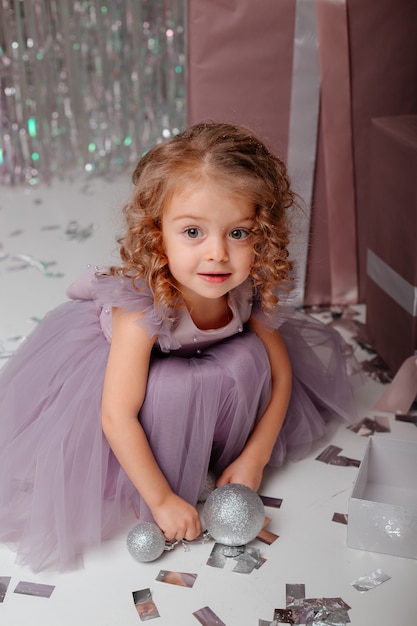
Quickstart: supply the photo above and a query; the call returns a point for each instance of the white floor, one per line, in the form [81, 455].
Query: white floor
[47, 236]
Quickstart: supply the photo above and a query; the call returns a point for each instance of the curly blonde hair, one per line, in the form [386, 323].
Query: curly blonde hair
[232, 157]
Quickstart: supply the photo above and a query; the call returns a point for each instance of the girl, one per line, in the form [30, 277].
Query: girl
[177, 349]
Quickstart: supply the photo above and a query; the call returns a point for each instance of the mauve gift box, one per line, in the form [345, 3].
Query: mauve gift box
[241, 68]
[382, 513]
[391, 290]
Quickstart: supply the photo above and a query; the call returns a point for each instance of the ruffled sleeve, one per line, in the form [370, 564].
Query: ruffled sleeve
[97, 284]
[281, 312]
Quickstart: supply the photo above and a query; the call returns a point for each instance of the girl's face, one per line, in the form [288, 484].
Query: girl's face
[208, 241]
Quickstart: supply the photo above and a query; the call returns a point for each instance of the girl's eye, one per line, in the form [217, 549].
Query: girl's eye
[193, 232]
[239, 233]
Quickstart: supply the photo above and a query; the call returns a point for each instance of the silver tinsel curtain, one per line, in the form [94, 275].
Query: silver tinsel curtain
[87, 86]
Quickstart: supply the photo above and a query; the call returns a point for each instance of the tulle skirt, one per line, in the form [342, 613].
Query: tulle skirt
[61, 488]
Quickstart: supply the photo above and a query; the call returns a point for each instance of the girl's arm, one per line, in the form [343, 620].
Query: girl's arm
[123, 395]
[248, 468]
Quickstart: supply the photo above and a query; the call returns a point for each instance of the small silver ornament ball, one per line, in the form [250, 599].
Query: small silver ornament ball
[145, 542]
[233, 514]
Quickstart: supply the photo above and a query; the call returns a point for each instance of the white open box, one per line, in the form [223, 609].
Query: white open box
[382, 514]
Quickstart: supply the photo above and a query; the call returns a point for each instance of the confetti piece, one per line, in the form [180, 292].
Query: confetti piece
[4, 585]
[408, 417]
[182, 579]
[249, 560]
[369, 426]
[375, 578]
[207, 617]
[145, 606]
[272, 502]
[34, 589]
[75, 232]
[341, 518]
[331, 456]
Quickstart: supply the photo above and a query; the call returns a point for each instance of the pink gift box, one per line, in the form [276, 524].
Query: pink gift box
[383, 47]
[391, 290]
[241, 57]
[234, 52]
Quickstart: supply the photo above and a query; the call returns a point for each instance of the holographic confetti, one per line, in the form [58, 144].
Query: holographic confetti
[34, 589]
[75, 231]
[266, 536]
[217, 557]
[294, 592]
[272, 502]
[4, 585]
[9, 346]
[50, 227]
[16, 233]
[182, 579]
[340, 518]
[207, 617]
[377, 369]
[331, 456]
[249, 560]
[25, 261]
[369, 426]
[87, 87]
[407, 417]
[314, 611]
[144, 604]
[375, 578]
[283, 616]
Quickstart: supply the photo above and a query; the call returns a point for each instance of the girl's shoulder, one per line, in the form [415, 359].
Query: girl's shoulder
[98, 283]
[109, 290]
[280, 313]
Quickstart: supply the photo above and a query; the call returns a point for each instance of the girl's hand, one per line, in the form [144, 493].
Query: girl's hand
[243, 471]
[177, 519]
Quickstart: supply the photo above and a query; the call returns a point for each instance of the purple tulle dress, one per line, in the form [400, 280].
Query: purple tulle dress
[61, 488]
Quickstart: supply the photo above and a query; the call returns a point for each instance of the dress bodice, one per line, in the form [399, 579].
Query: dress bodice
[180, 334]
[193, 340]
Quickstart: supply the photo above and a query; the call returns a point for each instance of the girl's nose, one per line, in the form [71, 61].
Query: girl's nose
[217, 250]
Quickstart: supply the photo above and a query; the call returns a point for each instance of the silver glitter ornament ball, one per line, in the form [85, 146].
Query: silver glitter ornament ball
[233, 514]
[145, 542]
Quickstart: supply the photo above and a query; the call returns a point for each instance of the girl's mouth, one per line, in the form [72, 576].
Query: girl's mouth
[214, 278]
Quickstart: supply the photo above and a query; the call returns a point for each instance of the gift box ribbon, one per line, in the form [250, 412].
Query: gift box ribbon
[336, 123]
[321, 87]
[392, 283]
[304, 117]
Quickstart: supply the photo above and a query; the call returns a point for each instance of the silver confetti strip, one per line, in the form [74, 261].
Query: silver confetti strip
[4, 585]
[314, 611]
[145, 606]
[331, 456]
[369, 426]
[34, 589]
[208, 617]
[247, 559]
[375, 578]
